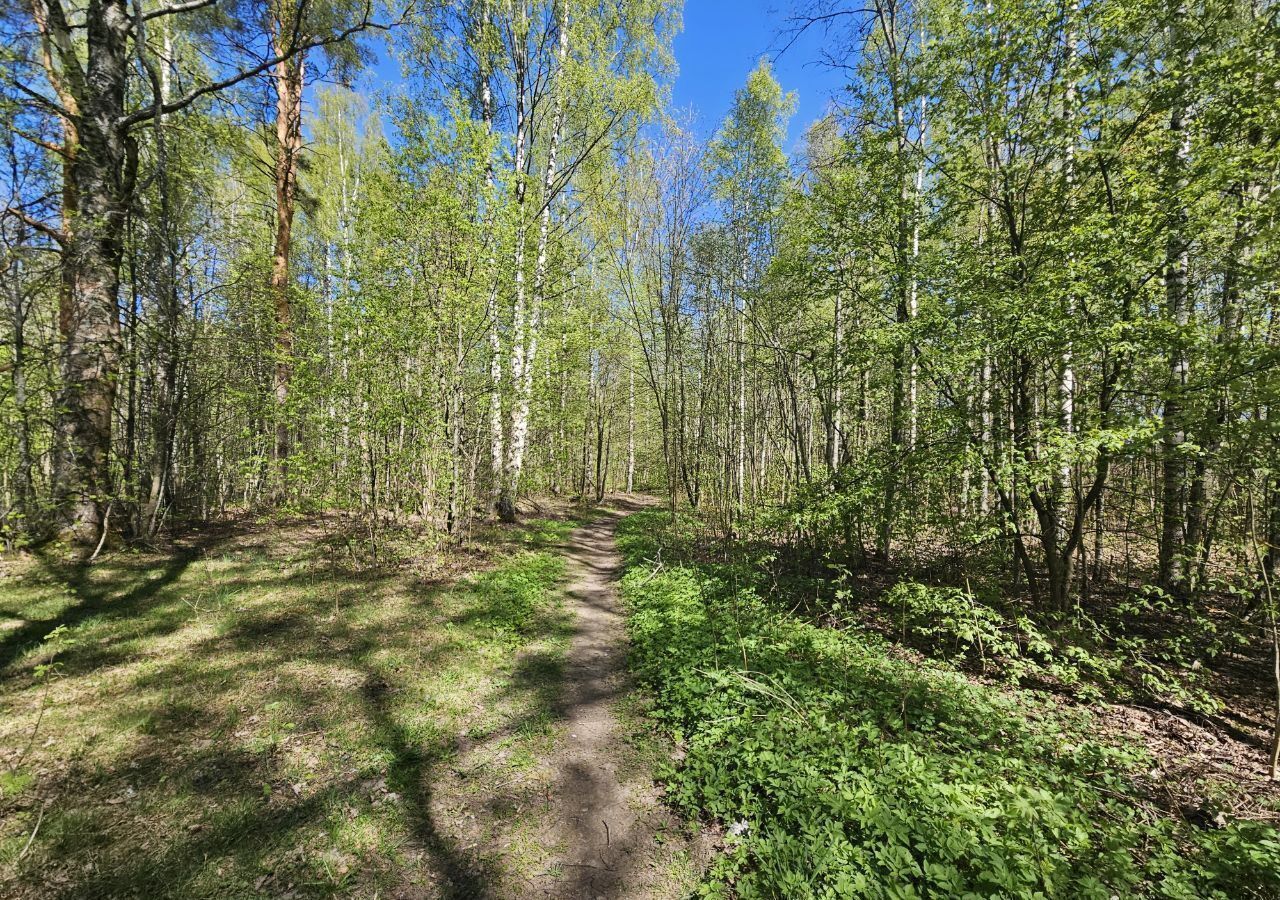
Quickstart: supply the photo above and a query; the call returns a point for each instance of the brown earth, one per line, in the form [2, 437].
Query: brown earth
[608, 815]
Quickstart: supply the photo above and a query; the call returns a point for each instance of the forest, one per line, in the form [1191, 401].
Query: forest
[434, 462]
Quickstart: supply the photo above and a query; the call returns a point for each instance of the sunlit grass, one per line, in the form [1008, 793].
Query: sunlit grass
[261, 717]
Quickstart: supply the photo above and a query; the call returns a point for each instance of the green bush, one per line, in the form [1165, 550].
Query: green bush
[838, 770]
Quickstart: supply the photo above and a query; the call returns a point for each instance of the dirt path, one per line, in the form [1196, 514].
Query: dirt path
[620, 842]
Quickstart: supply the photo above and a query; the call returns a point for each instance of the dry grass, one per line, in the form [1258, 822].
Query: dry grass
[263, 711]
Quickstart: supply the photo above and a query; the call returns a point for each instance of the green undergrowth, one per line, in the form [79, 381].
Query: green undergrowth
[1122, 643]
[269, 716]
[838, 768]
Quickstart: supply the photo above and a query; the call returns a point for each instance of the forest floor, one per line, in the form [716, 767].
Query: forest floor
[838, 760]
[294, 709]
[1208, 730]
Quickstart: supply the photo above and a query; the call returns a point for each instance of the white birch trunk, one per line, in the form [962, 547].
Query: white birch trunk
[496, 448]
[741, 467]
[631, 428]
[1068, 385]
[913, 302]
[524, 355]
[837, 349]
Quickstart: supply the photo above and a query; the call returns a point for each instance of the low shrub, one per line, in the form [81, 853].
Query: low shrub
[838, 769]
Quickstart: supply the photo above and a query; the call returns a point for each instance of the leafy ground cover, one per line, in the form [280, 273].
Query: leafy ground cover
[838, 766]
[265, 712]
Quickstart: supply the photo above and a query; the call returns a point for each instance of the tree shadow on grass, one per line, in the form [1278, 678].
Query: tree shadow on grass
[409, 774]
[93, 599]
[192, 799]
[159, 823]
[166, 871]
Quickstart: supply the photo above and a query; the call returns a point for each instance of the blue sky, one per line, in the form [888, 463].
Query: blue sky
[724, 39]
[721, 42]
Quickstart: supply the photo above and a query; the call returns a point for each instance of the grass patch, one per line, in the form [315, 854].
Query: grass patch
[259, 715]
[839, 769]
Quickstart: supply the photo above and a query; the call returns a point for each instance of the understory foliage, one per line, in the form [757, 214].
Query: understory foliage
[839, 768]
[312, 294]
[992, 361]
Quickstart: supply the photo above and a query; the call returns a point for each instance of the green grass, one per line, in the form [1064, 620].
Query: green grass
[839, 768]
[268, 714]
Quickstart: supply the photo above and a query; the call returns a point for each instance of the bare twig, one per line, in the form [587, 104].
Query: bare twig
[1274, 762]
[106, 526]
[34, 831]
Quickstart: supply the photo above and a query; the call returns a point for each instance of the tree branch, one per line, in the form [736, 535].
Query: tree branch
[55, 34]
[46, 230]
[52, 106]
[189, 6]
[151, 112]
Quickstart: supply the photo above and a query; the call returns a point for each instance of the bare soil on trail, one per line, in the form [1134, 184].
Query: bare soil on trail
[620, 841]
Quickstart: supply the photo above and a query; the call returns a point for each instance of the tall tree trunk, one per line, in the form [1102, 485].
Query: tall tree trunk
[289, 76]
[496, 442]
[1067, 379]
[164, 399]
[1171, 557]
[19, 306]
[506, 504]
[913, 305]
[100, 174]
[739, 472]
[524, 356]
[988, 426]
[835, 420]
[602, 462]
[631, 428]
[887, 17]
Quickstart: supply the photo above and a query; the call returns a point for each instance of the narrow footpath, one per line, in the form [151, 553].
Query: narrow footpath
[621, 842]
